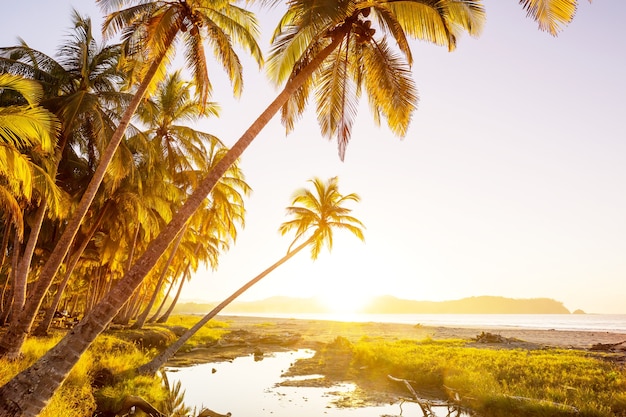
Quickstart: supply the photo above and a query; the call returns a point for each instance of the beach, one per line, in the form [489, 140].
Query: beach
[323, 331]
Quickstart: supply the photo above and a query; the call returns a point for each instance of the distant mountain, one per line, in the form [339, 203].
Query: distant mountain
[472, 305]
[392, 305]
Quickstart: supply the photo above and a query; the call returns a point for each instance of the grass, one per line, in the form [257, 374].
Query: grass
[494, 382]
[117, 352]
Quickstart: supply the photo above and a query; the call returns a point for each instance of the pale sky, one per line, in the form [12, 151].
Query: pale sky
[510, 181]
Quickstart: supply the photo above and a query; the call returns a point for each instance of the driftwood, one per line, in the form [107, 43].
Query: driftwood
[132, 402]
[606, 347]
[210, 413]
[425, 404]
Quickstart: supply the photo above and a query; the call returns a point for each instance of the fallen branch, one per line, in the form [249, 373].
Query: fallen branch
[424, 403]
[126, 408]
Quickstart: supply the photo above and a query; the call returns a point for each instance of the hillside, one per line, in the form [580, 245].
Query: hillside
[393, 305]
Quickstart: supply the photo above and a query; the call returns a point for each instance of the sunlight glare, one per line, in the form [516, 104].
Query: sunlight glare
[345, 302]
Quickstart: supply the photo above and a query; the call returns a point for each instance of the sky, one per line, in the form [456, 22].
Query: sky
[510, 181]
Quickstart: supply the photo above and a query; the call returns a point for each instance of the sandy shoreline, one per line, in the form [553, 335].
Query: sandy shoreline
[325, 331]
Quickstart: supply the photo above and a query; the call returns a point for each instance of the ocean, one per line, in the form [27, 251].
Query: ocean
[589, 322]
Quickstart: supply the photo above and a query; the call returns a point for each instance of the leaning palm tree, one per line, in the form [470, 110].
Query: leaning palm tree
[315, 216]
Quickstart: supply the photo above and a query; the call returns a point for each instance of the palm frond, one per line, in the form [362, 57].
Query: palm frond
[391, 89]
[551, 15]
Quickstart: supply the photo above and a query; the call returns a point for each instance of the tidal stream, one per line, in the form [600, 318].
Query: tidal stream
[247, 387]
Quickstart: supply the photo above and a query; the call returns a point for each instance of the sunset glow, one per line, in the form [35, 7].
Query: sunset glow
[345, 302]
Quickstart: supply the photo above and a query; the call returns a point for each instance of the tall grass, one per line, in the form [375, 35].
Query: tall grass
[73, 399]
[119, 356]
[500, 382]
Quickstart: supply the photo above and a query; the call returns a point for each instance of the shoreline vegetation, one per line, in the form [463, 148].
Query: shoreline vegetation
[501, 372]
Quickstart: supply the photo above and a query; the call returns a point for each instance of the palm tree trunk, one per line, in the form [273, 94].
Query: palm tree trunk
[153, 318]
[3, 249]
[43, 326]
[155, 364]
[6, 233]
[166, 315]
[33, 387]
[141, 320]
[26, 258]
[11, 343]
[19, 288]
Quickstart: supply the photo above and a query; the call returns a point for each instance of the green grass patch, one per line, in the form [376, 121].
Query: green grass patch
[495, 382]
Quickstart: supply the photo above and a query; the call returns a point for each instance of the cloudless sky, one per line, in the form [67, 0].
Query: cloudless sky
[510, 182]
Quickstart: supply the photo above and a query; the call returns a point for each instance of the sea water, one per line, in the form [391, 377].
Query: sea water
[584, 322]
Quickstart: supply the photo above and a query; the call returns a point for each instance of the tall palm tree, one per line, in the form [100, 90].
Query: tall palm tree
[315, 217]
[27, 134]
[183, 153]
[441, 17]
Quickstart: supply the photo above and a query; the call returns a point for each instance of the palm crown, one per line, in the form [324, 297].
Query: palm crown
[372, 53]
[317, 213]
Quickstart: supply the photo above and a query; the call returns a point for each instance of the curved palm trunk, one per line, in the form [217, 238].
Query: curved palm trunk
[28, 392]
[155, 364]
[141, 320]
[11, 343]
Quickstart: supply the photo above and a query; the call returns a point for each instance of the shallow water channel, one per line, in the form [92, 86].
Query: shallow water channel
[247, 387]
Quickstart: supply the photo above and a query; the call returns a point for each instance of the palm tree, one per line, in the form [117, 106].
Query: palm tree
[27, 134]
[22, 127]
[183, 153]
[315, 216]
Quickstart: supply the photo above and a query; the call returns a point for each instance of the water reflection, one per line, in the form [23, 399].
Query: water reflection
[248, 387]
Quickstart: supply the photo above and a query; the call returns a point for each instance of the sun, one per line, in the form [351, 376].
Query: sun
[345, 302]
